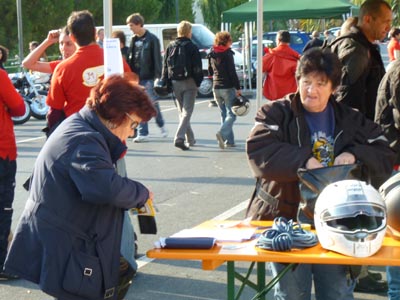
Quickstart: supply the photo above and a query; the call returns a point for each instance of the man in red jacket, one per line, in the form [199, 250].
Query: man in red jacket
[280, 65]
[11, 105]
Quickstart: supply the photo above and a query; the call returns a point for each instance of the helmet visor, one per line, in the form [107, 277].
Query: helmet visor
[355, 217]
[353, 210]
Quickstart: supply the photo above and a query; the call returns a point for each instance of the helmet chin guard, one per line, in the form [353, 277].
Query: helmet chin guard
[350, 218]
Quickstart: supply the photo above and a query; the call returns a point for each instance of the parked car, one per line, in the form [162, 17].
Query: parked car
[266, 44]
[239, 47]
[298, 39]
[334, 31]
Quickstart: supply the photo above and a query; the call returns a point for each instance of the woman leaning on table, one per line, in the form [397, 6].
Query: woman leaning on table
[309, 129]
[68, 238]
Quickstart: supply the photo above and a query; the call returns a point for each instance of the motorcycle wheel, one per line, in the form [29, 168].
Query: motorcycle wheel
[25, 117]
[39, 107]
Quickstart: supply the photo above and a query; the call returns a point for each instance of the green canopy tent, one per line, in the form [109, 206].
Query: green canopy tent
[288, 9]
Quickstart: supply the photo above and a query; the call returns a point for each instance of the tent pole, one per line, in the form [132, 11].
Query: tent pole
[260, 21]
[249, 52]
[107, 18]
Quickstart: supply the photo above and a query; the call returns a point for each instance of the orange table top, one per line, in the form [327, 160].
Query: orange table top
[389, 254]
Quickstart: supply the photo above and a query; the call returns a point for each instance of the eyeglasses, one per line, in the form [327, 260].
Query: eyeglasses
[134, 123]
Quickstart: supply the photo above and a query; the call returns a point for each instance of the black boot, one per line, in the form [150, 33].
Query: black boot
[369, 284]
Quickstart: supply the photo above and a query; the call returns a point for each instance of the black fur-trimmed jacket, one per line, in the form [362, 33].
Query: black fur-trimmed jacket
[362, 71]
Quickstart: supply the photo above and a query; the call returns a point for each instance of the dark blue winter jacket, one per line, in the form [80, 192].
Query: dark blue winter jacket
[68, 238]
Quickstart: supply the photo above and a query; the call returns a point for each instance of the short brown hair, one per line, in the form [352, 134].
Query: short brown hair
[372, 8]
[3, 51]
[115, 96]
[222, 38]
[119, 34]
[321, 61]
[136, 19]
[81, 25]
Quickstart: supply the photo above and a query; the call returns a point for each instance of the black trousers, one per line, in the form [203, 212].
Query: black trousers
[8, 169]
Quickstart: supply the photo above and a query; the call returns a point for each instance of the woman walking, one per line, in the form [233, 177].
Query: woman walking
[226, 86]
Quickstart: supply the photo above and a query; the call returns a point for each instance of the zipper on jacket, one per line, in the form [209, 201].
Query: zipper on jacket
[298, 131]
[336, 137]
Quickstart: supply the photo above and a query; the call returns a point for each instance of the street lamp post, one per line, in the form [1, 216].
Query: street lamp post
[20, 37]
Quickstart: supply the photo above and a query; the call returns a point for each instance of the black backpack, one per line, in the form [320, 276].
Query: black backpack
[176, 61]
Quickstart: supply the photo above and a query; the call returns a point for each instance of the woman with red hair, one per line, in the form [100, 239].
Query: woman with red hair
[69, 236]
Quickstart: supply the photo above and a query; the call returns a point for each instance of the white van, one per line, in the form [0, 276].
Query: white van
[202, 37]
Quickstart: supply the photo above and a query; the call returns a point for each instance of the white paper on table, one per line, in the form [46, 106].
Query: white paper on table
[220, 234]
[112, 57]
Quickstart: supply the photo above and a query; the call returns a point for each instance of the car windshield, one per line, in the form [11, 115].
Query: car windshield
[202, 37]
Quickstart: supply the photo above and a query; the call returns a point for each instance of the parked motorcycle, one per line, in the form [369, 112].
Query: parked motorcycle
[33, 88]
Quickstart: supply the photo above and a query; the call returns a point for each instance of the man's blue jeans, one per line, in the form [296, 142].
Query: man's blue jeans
[224, 98]
[128, 232]
[143, 128]
[330, 281]
[393, 279]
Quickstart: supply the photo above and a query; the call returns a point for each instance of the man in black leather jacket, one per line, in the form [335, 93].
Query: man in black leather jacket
[144, 58]
[363, 68]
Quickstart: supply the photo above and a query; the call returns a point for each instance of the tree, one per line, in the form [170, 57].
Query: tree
[149, 9]
[168, 11]
[212, 10]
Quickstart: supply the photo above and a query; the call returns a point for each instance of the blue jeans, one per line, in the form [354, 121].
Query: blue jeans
[224, 98]
[128, 232]
[8, 169]
[128, 241]
[330, 281]
[393, 279]
[143, 128]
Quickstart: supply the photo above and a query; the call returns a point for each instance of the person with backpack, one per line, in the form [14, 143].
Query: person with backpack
[226, 85]
[182, 68]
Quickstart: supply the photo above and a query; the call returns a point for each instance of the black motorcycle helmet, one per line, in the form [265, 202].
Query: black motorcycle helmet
[390, 191]
[160, 88]
[241, 106]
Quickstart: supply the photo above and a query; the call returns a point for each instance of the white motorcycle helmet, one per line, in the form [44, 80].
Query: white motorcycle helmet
[350, 218]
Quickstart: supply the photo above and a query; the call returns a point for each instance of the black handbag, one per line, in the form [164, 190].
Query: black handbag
[313, 181]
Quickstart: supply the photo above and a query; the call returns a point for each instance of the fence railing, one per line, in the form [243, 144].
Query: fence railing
[14, 65]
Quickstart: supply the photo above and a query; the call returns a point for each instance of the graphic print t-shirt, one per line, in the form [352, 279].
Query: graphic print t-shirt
[137, 54]
[322, 126]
